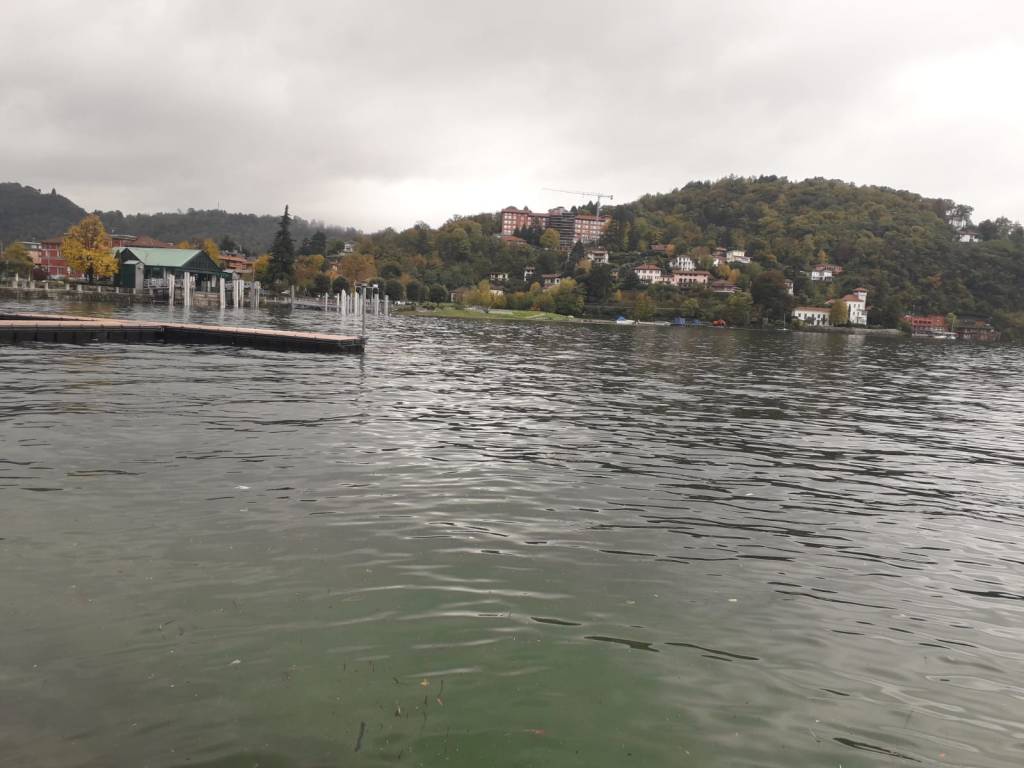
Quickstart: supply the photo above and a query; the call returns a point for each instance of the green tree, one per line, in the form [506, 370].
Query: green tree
[568, 297]
[549, 240]
[643, 308]
[16, 260]
[415, 290]
[438, 293]
[738, 309]
[599, 283]
[577, 253]
[282, 253]
[770, 293]
[840, 313]
[628, 280]
[318, 243]
[86, 247]
[321, 283]
[690, 308]
[394, 289]
[340, 284]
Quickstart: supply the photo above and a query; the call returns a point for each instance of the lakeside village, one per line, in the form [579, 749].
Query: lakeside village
[566, 271]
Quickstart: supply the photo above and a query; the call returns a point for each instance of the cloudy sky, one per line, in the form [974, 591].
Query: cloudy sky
[376, 114]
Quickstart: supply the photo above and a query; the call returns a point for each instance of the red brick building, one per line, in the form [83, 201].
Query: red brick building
[48, 257]
[572, 227]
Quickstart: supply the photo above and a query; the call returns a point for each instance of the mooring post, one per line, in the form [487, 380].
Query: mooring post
[170, 289]
[363, 302]
[387, 301]
[292, 291]
[223, 301]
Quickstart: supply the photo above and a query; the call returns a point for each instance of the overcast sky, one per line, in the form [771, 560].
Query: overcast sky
[376, 114]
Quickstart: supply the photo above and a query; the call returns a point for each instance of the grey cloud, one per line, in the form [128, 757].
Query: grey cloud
[377, 114]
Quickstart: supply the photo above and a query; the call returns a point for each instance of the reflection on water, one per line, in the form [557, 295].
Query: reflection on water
[503, 544]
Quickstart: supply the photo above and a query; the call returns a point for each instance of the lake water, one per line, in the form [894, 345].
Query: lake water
[499, 544]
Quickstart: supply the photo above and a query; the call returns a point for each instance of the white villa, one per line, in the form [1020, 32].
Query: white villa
[856, 307]
[598, 256]
[737, 257]
[648, 273]
[825, 272]
[857, 304]
[685, 263]
[817, 316]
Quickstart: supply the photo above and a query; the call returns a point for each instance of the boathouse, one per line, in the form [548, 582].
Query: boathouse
[150, 267]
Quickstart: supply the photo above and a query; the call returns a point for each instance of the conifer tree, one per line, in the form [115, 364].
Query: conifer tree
[282, 252]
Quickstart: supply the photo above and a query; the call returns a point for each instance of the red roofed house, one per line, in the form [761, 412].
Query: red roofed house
[648, 273]
[857, 304]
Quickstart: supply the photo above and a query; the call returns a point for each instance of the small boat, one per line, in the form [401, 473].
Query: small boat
[623, 321]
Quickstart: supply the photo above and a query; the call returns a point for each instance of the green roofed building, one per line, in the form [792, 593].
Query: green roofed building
[150, 267]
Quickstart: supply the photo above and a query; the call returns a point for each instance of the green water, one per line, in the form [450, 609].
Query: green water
[512, 545]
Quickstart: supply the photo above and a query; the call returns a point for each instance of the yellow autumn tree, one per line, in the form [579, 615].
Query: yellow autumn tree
[212, 250]
[357, 268]
[260, 267]
[86, 247]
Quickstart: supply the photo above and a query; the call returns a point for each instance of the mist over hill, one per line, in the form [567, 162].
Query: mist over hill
[27, 213]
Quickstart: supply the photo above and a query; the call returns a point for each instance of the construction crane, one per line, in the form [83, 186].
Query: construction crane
[598, 195]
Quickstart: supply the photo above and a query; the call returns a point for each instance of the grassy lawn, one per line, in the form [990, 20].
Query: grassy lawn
[494, 314]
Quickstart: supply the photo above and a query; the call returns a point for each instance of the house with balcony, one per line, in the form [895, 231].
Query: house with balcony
[684, 278]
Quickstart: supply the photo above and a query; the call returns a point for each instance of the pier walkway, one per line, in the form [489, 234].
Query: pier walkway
[70, 329]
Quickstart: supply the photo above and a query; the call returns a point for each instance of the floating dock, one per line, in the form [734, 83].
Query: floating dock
[69, 329]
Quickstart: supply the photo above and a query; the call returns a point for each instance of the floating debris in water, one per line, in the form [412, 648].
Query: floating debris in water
[236, 661]
[359, 738]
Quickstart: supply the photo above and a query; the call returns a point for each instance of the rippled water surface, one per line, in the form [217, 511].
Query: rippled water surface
[491, 544]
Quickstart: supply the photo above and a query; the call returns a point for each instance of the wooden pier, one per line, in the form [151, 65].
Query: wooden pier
[69, 329]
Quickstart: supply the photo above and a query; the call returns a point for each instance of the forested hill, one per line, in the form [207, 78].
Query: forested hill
[254, 233]
[901, 246]
[27, 213]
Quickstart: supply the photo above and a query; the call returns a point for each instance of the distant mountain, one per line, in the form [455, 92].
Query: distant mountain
[254, 233]
[27, 213]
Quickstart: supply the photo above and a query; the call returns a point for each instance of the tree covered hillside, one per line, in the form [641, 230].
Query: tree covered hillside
[901, 246]
[27, 213]
[253, 233]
